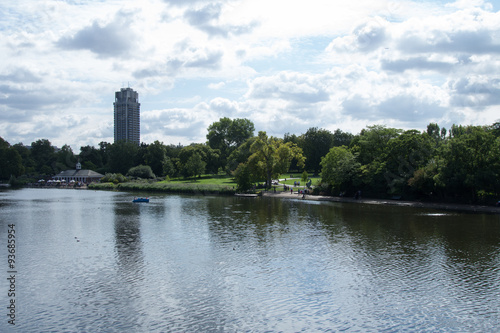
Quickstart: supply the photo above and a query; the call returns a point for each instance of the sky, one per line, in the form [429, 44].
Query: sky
[286, 65]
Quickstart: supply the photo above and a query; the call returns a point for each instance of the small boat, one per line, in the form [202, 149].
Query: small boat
[141, 200]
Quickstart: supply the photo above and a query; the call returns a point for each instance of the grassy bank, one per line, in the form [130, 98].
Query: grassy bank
[204, 186]
[207, 184]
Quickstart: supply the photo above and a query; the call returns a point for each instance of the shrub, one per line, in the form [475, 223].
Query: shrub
[243, 177]
[322, 189]
[113, 178]
[141, 171]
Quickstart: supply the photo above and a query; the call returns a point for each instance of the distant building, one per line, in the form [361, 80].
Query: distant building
[127, 116]
[78, 175]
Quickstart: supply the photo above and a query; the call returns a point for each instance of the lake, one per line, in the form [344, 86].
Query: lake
[93, 261]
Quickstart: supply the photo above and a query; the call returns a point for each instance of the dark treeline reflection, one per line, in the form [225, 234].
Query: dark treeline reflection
[383, 231]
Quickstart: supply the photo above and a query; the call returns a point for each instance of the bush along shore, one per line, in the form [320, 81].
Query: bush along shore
[182, 188]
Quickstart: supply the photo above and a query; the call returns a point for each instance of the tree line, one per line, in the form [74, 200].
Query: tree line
[460, 163]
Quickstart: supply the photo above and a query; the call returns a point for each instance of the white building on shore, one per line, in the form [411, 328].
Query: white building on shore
[78, 175]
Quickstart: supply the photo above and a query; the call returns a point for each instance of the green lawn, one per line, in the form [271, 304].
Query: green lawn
[205, 179]
[226, 180]
[206, 183]
[315, 180]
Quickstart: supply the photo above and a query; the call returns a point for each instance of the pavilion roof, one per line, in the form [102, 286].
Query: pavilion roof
[79, 173]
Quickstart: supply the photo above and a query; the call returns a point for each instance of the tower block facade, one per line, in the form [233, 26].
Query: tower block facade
[127, 116]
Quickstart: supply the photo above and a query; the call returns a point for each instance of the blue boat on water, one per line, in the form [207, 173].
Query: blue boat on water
[141, 200]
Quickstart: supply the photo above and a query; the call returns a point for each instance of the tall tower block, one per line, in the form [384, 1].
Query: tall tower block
[127, 116]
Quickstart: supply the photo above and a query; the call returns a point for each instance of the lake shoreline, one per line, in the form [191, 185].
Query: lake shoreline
[442, 206]
[207, 190]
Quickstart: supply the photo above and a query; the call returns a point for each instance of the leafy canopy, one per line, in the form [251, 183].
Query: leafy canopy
[272, 156]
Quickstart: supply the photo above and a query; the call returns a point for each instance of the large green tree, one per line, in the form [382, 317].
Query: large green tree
[208, 155]
[404, 155]
[122, 156]
[471, 162]
[104, 148]
[227, 134]
[194, 166]
[11, 163]
[240, 155]
[44, 156]
[65, 158]
[315, 143]
[369, 147]
[339, 168]
[341, 138]
[25, 153]
[495, 128]
[272, 156]
[169, 168]
[371, 143]
[140, 156]
[4, 144]
[155, 157]
[90, 158]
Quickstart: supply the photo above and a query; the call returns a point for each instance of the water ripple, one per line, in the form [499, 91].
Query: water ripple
[223, 264]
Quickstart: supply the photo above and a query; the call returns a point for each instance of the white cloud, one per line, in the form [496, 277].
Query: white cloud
[207, 20]
[109, 40]
[290, 87]
[286, 65]
[365, 38]
[217, 86]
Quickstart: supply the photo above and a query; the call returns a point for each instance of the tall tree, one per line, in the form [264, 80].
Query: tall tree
[65, 158]
[44, 155]
[140, 156]
[4, 144]
[122, 156]
[316, 143]
[339, 168]
[169, 167]
[208, 155]
[372, 141]
[341, 138]
[296, 140]
[471, 162]
[11, 163]
[155, 156]
[194, 166]
[272, 156]
[90, 158]
[239, 131]
[496, 129]
[369, 147]
[104, 148]
[25, 153]
[434, 131]
[226, 135]
[240, 155]
[404, 155]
